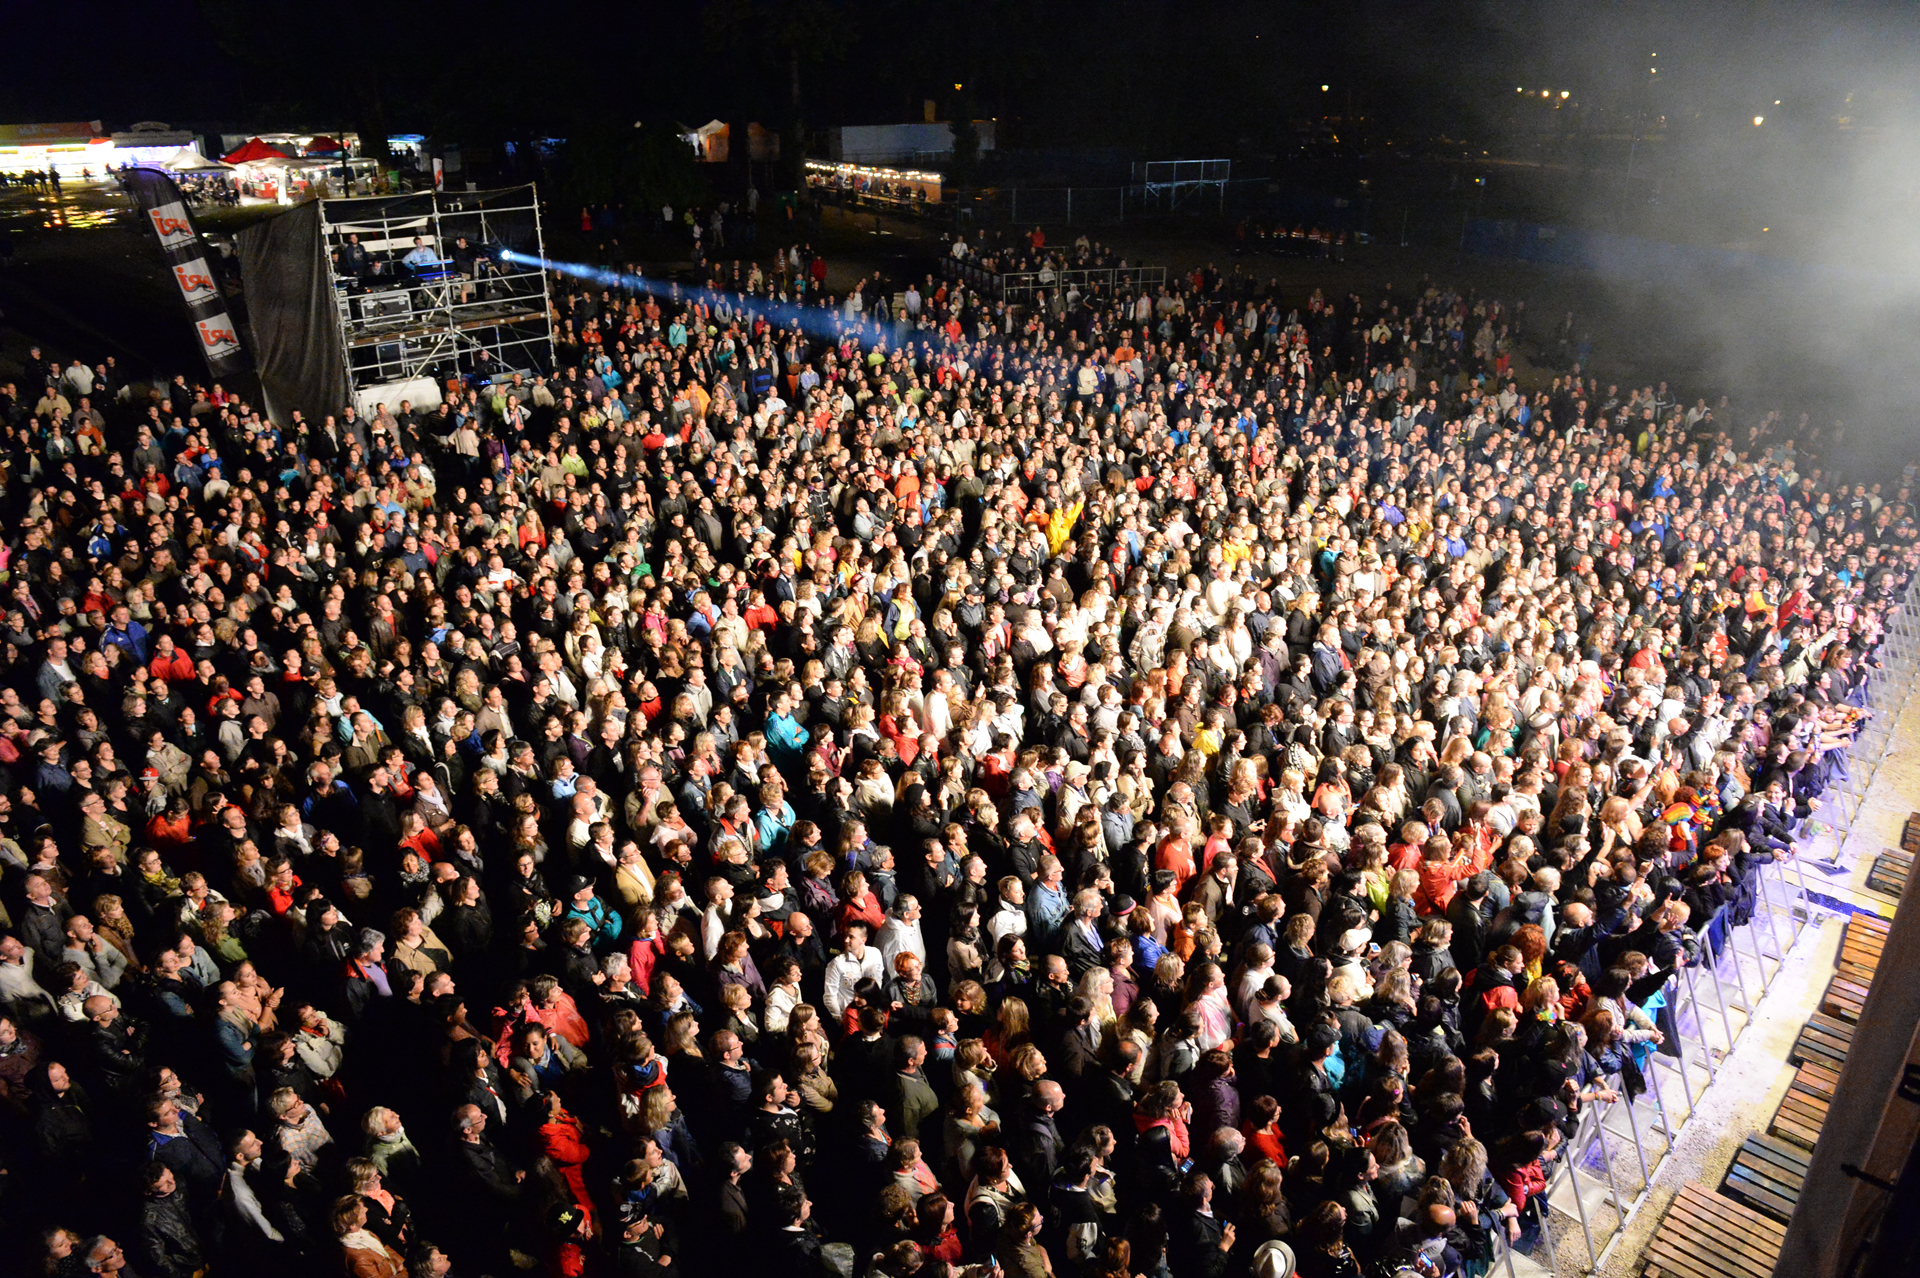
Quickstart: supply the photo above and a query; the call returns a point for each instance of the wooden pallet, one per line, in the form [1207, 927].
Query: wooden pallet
[1803, 1110]
[1708, 1235]
[1846, 993]
[1823, 1041]
[1816, 1080]
[1861, 944]
[1767, 1175]
[1910, 836]
[1889, 871]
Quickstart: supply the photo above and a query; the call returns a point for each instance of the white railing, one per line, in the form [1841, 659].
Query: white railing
[1711, 1001]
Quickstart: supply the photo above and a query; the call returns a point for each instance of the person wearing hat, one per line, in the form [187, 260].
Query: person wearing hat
[582, 902]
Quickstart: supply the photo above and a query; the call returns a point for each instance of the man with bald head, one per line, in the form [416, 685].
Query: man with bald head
[117, 1042]
[1036, 1141]
[1426, 1243]
[490, 1183]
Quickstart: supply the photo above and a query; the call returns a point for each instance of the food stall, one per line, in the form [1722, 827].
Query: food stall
[82, 149]
[869, 183]
[201, 180]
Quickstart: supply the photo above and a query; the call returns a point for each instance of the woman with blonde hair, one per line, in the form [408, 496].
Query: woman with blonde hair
[1012, 1027]
[1540, 1011]
[1291, 798]
[973, 1066]
[1096, 986]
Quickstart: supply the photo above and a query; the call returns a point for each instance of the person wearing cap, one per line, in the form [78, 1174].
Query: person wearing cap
[584, 903]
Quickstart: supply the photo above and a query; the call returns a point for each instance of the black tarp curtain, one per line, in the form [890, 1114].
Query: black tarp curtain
[295, 320]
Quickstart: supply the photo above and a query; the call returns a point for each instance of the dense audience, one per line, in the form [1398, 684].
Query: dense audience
[1179, 784]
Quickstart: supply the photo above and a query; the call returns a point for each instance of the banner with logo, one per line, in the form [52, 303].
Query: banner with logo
[158, 199]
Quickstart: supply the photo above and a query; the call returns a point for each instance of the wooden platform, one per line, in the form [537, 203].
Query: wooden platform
[1910, 836]
[1824, 1041]
[1707, 1235]
[1862, 942]
[1766, 1175]
[1803, 1110]
[1889, 872]
[1846, 993]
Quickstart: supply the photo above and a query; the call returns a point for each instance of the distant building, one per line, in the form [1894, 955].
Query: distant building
[899, 143]
[713, 142]
[75, 147]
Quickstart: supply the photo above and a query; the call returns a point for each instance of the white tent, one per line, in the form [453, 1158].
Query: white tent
[188, 160]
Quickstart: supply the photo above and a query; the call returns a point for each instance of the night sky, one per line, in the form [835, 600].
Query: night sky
[1147, 76]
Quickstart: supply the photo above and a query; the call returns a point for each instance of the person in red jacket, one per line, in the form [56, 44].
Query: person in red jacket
[169, 662]
[858, 904]
[563, 1140]
[1440, 873]
[1519, 1164]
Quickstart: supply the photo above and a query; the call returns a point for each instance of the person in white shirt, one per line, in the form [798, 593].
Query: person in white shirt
[1011, 918]
[1256, 973]
[783, 995]
[717, 918]
[902, 934]
[847, 969]
[420, 254]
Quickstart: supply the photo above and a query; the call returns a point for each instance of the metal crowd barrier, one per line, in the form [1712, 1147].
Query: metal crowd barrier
[1708, 1004]
[1886, 690]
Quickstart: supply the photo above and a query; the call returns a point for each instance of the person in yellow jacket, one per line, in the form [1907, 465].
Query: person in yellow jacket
[1060, 524]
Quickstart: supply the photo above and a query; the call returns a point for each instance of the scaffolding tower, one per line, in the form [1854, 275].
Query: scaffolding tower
[1171, 184]
[450, 311]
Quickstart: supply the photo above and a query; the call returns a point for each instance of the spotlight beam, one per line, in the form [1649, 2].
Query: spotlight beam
[822, 322]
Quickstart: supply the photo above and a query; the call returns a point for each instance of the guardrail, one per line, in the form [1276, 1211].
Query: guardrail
[1886, 689]
[1708, 1003]
[1022, 286]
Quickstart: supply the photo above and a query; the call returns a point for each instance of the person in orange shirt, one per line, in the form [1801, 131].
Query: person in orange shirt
[1446, 864]
[1175, 852]
[907, 487]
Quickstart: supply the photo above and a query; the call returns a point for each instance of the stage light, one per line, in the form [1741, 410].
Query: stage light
[1759, 120]
[1566, 93]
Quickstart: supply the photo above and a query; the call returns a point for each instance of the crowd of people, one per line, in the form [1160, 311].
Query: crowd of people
[1184, 785]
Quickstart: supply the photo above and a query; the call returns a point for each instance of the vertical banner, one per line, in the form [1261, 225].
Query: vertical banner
[165, 213]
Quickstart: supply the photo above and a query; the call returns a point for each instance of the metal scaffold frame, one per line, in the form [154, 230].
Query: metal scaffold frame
[399, 325]
[1169, 184]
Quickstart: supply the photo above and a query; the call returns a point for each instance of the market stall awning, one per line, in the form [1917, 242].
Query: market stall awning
[188, 160]
[253, 152]
[324, 145]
